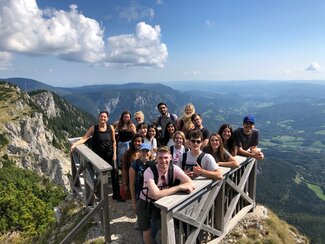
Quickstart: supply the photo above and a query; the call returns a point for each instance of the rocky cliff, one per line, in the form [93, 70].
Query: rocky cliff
[27, 124]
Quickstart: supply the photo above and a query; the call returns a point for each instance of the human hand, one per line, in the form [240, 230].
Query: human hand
[197, 170]
[72, 148]
[187, 187]
[258, 154]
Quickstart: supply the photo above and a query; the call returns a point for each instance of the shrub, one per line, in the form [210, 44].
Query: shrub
[27, 201]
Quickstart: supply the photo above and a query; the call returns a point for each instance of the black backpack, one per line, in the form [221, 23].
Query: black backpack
[199, 159]
[172, 117]
[154, 170]
[140, 173]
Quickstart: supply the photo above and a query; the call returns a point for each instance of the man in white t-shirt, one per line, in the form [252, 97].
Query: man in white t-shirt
[196, 164]
[146, 211]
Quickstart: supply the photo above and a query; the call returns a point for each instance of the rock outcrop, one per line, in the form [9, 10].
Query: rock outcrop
[30, 141]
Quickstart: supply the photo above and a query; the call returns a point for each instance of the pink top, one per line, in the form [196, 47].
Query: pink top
[148, 176]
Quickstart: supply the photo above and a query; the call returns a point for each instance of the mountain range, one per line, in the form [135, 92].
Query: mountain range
[290, 117]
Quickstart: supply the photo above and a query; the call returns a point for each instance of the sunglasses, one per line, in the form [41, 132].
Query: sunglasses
[138, 118]
[196, 141]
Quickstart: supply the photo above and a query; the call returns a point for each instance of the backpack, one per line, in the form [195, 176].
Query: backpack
[199, 159]
[140, 172]
[172, 117]
[154, 170]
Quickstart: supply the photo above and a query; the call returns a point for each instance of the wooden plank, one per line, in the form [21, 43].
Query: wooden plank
[219, 210]
[79, 226]
[241, 192]
[202, 213]
[232, 223]
[100, 165]
[196, 224]
[105, 213]
[169, 202]
[252, 184]
[167, 228]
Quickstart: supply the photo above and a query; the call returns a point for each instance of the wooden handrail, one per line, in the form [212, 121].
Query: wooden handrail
[89, 180]
[212, 209]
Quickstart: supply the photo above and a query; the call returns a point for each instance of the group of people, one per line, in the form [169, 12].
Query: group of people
[163, 157]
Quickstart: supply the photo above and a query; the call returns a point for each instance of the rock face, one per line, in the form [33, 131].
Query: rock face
[30, 142]
[45, 101]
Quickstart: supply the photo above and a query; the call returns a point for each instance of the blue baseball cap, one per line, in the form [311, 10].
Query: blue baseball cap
[145, 146]
[250, 119]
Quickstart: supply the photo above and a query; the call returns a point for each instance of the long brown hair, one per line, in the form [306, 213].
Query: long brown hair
[220, 150]
[121, 121]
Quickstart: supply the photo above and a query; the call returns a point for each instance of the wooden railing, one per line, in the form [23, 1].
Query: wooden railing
[89, 180]
[205, 215]
[212, 209]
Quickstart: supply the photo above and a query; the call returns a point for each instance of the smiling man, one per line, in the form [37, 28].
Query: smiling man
[197, 163]
[247, 139]
[159, 180]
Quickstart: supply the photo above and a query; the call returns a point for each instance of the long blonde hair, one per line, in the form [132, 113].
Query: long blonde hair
[187, 123]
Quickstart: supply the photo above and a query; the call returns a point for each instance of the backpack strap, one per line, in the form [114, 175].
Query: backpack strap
[184, 160]
[171, 174]
[199, 158]
[173, 118]
[171, 148]
[155, 172]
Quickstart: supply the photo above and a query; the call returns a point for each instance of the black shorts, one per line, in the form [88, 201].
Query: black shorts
[147, 213]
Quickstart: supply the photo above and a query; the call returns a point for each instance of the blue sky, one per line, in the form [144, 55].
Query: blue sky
[75, 43]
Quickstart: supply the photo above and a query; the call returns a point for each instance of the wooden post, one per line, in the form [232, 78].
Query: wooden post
[220, 209]
[252, 183]
[105, 213]
[167, 228]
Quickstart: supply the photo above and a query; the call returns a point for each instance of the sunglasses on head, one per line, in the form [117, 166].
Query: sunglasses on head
[196, 141]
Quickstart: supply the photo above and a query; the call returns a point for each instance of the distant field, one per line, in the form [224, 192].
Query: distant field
[320, 132]
[318, 191]
[288, 140]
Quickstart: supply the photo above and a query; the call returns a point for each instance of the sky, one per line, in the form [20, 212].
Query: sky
[85, 42]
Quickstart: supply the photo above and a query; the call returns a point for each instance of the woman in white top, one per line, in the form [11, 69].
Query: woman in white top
[178, 148]
[152, 140]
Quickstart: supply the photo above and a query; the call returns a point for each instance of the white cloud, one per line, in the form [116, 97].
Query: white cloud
[293, 70]
[136, 12]
[159, 2]
[142, 48]
[5, 60]
[24, 28]
[313, 67]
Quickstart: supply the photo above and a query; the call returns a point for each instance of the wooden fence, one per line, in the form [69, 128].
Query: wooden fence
[89, 180]
[212, 210]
